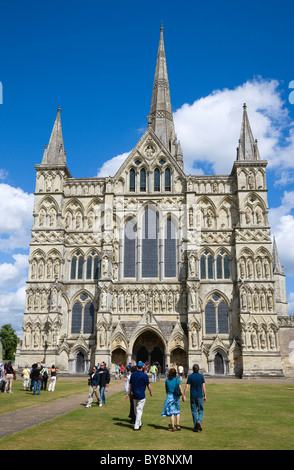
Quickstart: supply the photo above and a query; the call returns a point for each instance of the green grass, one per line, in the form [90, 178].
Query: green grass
[237, 415]
[23, 399]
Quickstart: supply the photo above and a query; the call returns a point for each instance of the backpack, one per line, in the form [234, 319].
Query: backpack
[45, 375]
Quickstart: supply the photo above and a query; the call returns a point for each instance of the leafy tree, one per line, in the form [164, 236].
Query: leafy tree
[9, 341]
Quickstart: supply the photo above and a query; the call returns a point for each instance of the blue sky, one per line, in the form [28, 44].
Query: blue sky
[96, 60]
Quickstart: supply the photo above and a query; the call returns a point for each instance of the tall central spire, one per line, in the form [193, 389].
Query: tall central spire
[161, 117]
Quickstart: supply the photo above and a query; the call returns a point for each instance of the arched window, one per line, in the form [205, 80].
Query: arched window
[150, 244]
[167, 183]
[170, 252]
[77, 264]
[206, 266]
[223, 266]
[132, 180]
[156, 179]
[210, 318]
[93, 265]
[83, 316]
[130, 249]
[143, 180]
[89, 318]
[216, 316]
[76, 323]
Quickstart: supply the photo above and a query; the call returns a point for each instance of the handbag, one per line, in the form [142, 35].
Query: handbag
[177, 391]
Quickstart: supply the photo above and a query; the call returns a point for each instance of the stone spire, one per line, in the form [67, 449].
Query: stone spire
[277, 268]
[161, 117]
[54, 153]
[248, 148]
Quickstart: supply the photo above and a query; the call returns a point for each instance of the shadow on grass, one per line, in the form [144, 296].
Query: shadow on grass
[123, 422]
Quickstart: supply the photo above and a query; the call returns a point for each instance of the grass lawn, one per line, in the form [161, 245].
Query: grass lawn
[238, 416]
[23, 399]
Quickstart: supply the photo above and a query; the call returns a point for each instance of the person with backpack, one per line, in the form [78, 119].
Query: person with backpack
[45, 375]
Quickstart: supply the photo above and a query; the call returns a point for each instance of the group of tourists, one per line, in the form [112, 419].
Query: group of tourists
[137, 381]
[34, 378]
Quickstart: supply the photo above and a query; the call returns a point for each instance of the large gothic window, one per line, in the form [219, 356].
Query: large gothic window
[170, 253]
[216, 316]
[77, 264]
[130, 249]
[150, 243]
[82, 316]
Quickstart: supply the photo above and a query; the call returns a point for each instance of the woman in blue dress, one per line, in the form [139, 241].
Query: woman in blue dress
[171, 405]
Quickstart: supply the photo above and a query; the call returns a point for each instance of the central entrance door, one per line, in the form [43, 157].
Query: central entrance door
[149, 348]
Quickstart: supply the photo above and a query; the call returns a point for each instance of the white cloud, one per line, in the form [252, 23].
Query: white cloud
[110, 167]
[16, 218]
[14, 275]
[209, 129]
[12, 307]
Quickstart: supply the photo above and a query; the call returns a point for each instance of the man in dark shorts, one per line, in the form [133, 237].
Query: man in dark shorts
[197, 396]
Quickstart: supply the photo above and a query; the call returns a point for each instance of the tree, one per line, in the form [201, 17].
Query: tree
[9, 341]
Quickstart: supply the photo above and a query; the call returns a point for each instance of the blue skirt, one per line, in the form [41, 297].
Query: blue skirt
[171, 405]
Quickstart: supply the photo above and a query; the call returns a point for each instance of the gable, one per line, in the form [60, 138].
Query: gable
[149, 154]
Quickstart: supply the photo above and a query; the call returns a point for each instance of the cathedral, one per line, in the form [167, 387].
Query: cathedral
[152, 264]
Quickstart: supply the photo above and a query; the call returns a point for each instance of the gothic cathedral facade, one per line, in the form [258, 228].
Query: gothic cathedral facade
[152, 264]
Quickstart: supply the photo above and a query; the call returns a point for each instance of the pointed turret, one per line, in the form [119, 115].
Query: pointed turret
[277, 268]
[248, 148]
[161, 117]
[54, 153]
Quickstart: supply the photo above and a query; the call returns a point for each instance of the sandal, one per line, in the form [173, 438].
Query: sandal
[178, 428]
[173, 429]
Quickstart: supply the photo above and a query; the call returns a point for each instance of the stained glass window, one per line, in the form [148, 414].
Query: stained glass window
[170, 254]
[143, 180]
[150, 244]
[132, 180]
[89, 318]
[130, 249]
[210, 318]
[76, 323]
[167, 179]
[156, 179]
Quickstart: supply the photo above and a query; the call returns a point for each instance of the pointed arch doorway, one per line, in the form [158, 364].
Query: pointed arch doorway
[150, 348]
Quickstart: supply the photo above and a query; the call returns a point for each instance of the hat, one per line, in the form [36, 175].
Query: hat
[141, 364]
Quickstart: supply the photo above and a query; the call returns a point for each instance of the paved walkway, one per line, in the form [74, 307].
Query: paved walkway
[27, 417]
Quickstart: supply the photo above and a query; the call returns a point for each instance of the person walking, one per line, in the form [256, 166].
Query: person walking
[10, 376]
[26, 377]
[153, 370]
[132, 415]
[53, 378]
[103, 380]
[45, 375]
[171, 405]
[94, 388]
[197, 396]
[138, 383]
[181, 372]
